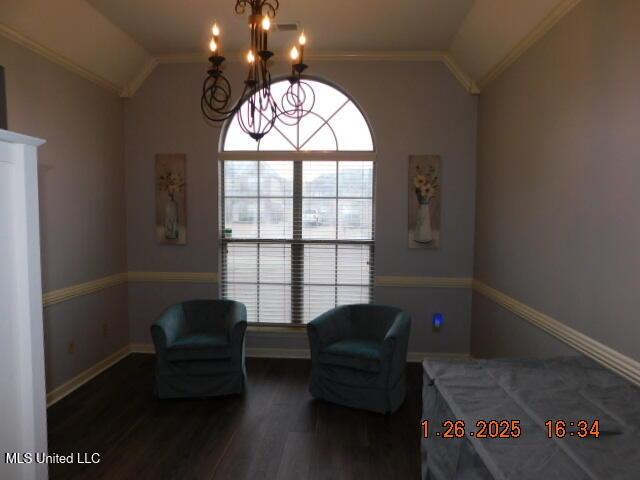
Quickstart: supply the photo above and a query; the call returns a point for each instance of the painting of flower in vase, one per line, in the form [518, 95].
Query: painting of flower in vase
[424, 201]
[171, 211]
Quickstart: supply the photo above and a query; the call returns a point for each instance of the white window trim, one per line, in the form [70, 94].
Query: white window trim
[303, 155]
[291, 155]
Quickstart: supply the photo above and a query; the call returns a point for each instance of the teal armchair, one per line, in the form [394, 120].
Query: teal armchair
[358, 356]
[200, 349]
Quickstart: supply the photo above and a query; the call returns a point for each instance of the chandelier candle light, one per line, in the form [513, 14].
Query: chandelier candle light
[256, 109]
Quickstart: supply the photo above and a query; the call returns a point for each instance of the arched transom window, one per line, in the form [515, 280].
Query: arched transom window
[334, 123]
[297, 212]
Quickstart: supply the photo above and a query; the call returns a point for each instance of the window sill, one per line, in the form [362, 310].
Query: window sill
[299, 329]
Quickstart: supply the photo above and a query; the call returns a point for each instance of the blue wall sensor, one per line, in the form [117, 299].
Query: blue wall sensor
[438, 321]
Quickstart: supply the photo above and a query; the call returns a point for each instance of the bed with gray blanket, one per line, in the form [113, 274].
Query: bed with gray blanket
[531, 392]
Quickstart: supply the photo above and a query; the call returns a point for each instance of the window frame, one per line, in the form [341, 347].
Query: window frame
[297, 157]
[369, 154]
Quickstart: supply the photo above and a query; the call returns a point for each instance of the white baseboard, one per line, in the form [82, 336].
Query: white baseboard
[418, 357]
[303, 353]
[142, 348]
[76, 382]
[253, 352]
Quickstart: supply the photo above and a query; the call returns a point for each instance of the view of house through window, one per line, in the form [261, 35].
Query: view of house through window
[297, 235]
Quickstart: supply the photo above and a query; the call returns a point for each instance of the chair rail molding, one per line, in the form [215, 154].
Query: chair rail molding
[69, 293]
[74, 291]
[422, 282]
[616, 361]
[172, 277]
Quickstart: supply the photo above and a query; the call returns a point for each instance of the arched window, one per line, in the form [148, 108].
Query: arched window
[297, 211]
[334, 123]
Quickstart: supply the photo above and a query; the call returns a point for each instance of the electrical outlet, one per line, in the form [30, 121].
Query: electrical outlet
[105, 329]
[71, 348]
[438, 322]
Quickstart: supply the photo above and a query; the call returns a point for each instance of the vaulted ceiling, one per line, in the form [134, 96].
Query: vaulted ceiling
[331, 25]
[117, 43]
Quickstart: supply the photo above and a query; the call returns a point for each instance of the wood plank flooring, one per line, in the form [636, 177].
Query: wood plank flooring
[275, 431]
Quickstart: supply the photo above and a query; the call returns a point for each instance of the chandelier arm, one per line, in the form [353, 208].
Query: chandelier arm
[241, 6]
[257, 7]
[256, 108]
[300, 103]
[271, 6]
[211, 102]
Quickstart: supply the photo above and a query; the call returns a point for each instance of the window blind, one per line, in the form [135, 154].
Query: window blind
[297, 237]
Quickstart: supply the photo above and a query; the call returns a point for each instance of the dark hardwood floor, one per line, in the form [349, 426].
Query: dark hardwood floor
[275, 431]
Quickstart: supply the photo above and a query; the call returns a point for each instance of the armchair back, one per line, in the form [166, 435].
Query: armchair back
[370, 322]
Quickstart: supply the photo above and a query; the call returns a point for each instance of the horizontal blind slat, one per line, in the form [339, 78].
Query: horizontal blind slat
[333, 249]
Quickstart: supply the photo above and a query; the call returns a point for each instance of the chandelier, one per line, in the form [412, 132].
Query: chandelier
[256, 108]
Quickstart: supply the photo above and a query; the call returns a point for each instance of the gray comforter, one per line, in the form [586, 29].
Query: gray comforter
[531, 391]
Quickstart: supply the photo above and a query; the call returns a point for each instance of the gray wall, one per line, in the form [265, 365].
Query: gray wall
[558, 176]
[413, 107]
[82, 203]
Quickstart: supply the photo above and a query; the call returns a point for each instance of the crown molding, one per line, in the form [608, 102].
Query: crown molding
[473, 87]
[556, 14]
[616, 361]
[465, 80]
[61, 60]
[136, 82]
[378, 56]
[328, 56]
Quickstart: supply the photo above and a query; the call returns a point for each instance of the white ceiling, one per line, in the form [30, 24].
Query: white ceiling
[117, 43]
[170, 26]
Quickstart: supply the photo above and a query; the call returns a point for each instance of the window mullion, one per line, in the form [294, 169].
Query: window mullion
[222, 261]
[258, 248]
[297, 249]
[337, 231]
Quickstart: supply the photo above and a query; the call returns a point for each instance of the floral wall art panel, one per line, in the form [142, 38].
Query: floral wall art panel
[171, 208]
[424, 201]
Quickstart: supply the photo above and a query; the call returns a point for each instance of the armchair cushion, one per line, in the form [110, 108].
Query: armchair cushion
[199, 346]
[358, 354]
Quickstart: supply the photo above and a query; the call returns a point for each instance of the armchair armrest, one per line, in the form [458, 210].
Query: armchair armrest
[395, 346]
[326, 328]
[400, 328]
[235, 319]
[234, 315]
[168, 327]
